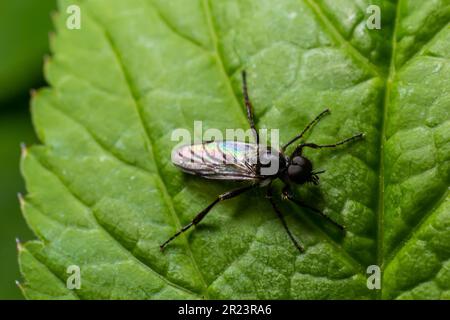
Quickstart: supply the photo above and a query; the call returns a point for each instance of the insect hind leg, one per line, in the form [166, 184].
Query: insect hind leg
[283, 221]
[288, 195]
[204, 212]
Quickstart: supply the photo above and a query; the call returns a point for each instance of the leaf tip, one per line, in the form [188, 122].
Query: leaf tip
[33, 93]
[46, 58]
[21, 200]
[23, 149]
[54, 14]
[19, 245]
[18, 284]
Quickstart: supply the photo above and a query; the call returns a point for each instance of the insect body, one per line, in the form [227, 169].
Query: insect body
[256, 164]
[227, 160]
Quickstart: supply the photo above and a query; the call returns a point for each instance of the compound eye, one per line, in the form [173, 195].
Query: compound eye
[299, 161]
[294, 170]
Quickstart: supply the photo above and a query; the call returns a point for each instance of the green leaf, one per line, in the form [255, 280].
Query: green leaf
[102, 193]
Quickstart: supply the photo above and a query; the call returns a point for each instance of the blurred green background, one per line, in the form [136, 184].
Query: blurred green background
[24, 28]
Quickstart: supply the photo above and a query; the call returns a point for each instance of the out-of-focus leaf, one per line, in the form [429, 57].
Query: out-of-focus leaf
[14, 129]
[24, 28]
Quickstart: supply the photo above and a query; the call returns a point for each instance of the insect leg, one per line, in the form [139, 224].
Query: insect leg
[299, 149]
[309, 126]
[288, 195]
[283, 221]
[249, 108]
[204, 212]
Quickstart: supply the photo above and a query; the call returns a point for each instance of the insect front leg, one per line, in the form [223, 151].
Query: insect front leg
[283, 221]
[299, 149]
[309, 126]
[204, 212]
[287, 194]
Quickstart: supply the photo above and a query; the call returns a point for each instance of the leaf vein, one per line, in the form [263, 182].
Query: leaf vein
[416, 228]
[219, 58]
[355, 53]
[174, 30]
[54, 274]
[100, 144]
[135, 98]
[105, 231]
[420, 51]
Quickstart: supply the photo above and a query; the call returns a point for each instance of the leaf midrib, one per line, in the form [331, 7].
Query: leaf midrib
[381, 185]
[389, 78]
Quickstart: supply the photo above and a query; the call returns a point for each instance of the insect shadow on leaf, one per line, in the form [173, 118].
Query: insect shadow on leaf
[247, 162]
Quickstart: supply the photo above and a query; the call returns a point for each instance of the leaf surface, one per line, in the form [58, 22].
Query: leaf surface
[102, 193]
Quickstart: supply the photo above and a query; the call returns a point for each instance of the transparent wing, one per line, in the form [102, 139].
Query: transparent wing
[222, 160]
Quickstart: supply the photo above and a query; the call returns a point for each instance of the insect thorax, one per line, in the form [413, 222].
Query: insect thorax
[272, 162]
